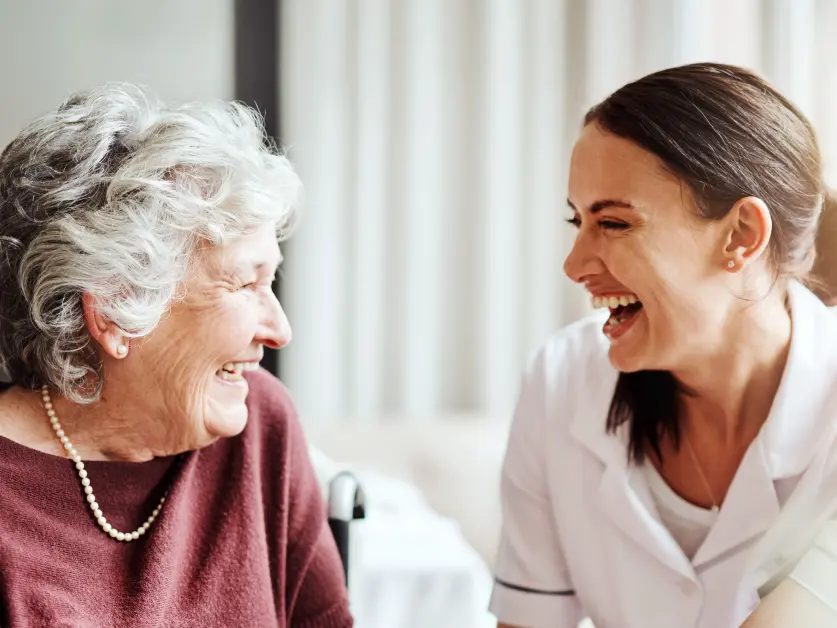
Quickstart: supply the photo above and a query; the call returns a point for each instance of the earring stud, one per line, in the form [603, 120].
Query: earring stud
[122, 350]
[731, 264]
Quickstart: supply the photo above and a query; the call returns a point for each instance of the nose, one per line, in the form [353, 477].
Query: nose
[274, 329]
[582, 260]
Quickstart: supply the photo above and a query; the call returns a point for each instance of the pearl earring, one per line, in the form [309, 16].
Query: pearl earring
[122, 350]
[731, 264]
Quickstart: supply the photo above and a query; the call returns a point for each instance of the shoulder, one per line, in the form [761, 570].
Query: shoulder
[567, 378]
[268, 395]
[574, 361]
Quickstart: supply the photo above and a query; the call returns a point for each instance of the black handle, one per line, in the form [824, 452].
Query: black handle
[340, 531]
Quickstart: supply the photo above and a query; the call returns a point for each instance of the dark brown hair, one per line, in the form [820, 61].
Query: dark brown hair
[824, 272]
[726, 134]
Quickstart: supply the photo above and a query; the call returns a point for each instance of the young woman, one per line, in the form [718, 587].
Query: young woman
[671, 460]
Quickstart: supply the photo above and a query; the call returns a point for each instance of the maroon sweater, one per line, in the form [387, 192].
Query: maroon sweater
[242, 539]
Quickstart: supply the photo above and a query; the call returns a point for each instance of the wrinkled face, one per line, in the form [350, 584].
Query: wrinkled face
[641, 251]
[187, 373]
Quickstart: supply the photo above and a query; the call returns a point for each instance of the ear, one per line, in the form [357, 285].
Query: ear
[109, 336]
[749, 226]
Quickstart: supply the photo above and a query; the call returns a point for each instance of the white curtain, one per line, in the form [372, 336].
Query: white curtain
[433, 138]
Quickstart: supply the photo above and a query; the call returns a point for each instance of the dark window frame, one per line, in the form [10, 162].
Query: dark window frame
[256, 49]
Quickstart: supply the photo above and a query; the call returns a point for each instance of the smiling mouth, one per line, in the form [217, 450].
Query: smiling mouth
[623, 308]
[234, 371]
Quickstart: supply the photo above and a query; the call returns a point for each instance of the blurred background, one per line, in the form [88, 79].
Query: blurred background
[433, 139]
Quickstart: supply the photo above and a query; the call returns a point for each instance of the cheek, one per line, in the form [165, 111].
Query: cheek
[200, 339]
[639, 267]
[662, 268]
[232, 325]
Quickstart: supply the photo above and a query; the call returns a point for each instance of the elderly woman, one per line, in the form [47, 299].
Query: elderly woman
[150, 473]
[672, 460]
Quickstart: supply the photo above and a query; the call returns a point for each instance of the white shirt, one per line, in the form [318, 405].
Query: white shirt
[581, 532]
[688, 524]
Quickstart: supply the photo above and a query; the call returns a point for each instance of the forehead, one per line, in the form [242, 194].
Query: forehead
[604, 165]
[257, 249]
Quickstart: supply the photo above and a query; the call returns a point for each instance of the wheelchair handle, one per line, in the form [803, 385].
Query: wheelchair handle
[346, 501]
[345, 504]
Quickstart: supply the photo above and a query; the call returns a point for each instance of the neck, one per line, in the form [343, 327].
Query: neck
[732, 388]
[98, 431]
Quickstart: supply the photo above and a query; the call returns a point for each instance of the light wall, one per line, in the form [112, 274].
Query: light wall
[433, 138]
[182, 49]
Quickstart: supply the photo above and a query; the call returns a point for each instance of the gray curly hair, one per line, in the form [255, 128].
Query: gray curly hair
[110, 195]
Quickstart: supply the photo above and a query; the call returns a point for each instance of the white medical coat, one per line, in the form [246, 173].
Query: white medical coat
[581, 535]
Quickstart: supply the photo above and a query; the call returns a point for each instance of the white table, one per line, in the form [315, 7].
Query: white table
[410, 567]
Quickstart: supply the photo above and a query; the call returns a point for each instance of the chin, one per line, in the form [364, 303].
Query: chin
[226, 410]
[226, 422]
[227, 407]
[624, 363]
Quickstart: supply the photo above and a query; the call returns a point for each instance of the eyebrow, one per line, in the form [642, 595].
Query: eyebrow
[600, 205]
[258, 266]
[273, 268]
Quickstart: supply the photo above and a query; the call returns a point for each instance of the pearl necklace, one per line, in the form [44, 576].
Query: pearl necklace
[107, 528]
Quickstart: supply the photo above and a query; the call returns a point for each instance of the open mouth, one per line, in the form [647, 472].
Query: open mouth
[234, 371]
[623, 310]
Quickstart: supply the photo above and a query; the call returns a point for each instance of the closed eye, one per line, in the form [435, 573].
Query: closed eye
[610, 224]
[252, 285]
[575, 221]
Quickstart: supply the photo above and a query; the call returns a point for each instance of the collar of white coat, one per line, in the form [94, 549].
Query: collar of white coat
[803, 417]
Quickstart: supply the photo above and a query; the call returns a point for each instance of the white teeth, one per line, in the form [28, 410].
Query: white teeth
[612, 302]
[240, 366]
